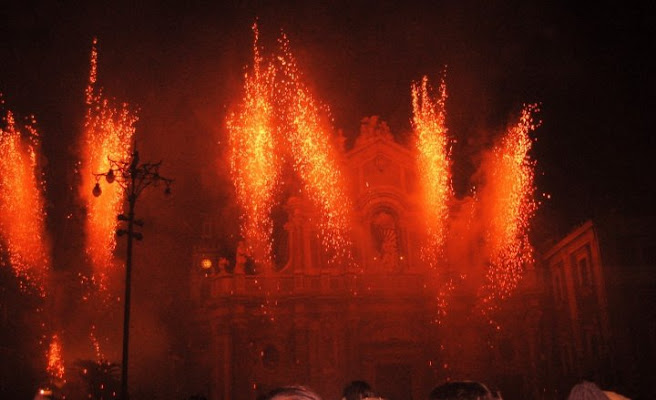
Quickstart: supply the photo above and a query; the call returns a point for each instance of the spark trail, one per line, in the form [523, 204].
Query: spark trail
[22, 217]
[277, 105]
[55, 366]
[433, 161]
[108, 132]
[254, 162]
[315, 157]
[22, 212]
[509, 197]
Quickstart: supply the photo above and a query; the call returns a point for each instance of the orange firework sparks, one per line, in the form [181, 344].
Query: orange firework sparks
[510, 191]
[22, 203]
[108, 132]
[254, 162]
[433, 163]
[55, 360]
[315, 157]
[96, 344]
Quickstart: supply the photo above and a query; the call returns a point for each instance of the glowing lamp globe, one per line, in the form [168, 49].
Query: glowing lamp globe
[110, 176]
[206, 264]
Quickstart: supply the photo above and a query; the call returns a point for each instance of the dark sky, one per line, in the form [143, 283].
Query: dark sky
[181, 65]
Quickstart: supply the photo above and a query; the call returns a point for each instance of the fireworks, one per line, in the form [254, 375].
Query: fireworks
[509, 198]
[254, 162]
[96, 344]
[108, 132]
[22, 217]
[277, 105]
[278, 121]
[55, 360]
[433, 163]
[315, 158]
[22, 226]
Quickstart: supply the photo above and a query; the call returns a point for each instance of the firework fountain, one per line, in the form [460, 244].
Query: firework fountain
[108, 132]
[315, 157]
[507, 205]
[276, 113]
[433, 160]
[22, 203]
[254, 160]
[22, 224]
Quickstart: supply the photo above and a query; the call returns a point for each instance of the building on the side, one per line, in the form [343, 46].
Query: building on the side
[628, 248]
[577, 336]
[600, 307]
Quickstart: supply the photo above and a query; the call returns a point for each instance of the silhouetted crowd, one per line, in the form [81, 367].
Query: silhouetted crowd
[452, 390]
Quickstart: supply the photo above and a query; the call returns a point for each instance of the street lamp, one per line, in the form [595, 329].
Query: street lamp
[133, 178]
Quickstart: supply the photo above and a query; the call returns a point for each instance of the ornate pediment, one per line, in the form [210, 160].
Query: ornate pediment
[378, 164]
[372, 128]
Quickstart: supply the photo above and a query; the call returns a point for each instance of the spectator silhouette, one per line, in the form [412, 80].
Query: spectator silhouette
[357, 390]
[461, 390]
[293, 392]
[586, 391]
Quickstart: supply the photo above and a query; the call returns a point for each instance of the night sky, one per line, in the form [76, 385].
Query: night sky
[181, 66]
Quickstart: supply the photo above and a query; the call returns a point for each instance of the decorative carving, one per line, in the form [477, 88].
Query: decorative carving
[373, 128]
[381, 162]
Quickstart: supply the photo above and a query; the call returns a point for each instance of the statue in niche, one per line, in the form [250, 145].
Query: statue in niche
[385, 238]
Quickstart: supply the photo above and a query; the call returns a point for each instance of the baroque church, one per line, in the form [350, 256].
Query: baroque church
[322, 324]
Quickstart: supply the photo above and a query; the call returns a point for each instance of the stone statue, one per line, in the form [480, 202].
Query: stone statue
[385, 237]
[372, 128]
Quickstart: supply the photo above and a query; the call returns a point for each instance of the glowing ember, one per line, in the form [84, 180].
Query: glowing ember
[443, 297]
[96, 344]
[22, 226]
[509, 197]
[433, 163]
[254, 161]
[108, 132]
[315, 158]
[55, 361]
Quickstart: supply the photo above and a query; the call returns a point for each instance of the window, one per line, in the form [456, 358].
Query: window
[204, 290]
[558, 295]
[558, 281]
[586, 278]
[567, 358]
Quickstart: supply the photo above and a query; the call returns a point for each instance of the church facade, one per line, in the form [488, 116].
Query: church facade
[313, 322]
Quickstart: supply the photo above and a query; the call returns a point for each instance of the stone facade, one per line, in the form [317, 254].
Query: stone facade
[323, 324]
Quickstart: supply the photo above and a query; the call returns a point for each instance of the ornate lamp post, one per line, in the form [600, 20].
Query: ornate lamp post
[133, 178]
